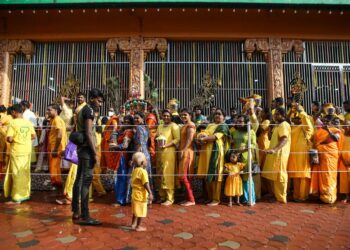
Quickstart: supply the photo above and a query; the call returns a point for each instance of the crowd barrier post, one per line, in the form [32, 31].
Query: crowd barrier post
[250, 176]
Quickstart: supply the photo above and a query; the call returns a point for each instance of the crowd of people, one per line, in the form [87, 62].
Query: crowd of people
[157, 153]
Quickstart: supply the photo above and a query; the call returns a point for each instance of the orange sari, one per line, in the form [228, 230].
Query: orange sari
[344, 165]
[106, 156]
[186, 164]
[325, 181]
[151, 122]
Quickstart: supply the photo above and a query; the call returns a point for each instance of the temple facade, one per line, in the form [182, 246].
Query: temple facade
[248, 48]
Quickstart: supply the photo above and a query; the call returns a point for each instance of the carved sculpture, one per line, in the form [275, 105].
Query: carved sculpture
[70, 88]
[8, 50]
[297, 88]
[136, 49]
[206, 93]
[273, 49]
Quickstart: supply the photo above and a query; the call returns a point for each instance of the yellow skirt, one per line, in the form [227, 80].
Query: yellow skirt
[139, 208]
[233, 186]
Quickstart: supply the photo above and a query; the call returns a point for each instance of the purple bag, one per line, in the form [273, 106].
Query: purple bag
[70, 153]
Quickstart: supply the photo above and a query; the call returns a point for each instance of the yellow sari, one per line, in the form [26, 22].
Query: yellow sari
[17, 180]
[166, 159]
[4, 145]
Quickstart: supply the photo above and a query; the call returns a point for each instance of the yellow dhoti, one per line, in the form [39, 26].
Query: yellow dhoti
[17, 180]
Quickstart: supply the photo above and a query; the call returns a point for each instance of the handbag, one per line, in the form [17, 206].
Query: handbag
[255, 168]
[78, 138]
[70, 153]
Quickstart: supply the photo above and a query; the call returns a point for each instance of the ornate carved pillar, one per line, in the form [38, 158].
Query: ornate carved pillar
[8, 51]
[137, 49]
[273, 50]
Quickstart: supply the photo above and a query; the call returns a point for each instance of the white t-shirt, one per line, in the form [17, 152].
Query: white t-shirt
[30, 116]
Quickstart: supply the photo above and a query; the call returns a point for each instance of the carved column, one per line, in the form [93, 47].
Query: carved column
[8, 51]
[137, 49]
[273, 50]
[275, 69]
[4, 79]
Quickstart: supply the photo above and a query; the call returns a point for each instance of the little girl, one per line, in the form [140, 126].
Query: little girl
[140, 188]
[233, 184]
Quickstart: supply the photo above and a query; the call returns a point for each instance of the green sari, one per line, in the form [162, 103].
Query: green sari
[220, 147]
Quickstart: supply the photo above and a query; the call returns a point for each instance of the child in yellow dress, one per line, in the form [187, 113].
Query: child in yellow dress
[233, 184]
[140, 188]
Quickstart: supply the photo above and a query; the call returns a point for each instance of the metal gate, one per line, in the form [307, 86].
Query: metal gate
[180, 74]
[325, 67]
[40, 79]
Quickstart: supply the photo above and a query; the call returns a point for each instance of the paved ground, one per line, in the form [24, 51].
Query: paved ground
[41, 224]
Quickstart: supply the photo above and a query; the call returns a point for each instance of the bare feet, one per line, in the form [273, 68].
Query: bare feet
[116, 205]
[188, 203]
[63, 202]
[37, 170]
[167, 203]
[213, 203]
[238, 204]
[101, 194]
[229, 204]
[13, 203]
[140, 229]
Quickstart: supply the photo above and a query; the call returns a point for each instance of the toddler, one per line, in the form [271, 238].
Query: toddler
[140, 188]
[233, 184]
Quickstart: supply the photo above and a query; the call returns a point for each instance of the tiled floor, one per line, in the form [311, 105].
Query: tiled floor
[41, 224]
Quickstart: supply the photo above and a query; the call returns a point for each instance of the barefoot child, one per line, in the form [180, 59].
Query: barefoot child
[233, 184]
[140, 188]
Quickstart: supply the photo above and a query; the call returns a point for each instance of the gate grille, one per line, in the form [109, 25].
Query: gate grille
[40, 79]
[180, 74]
[325, 67]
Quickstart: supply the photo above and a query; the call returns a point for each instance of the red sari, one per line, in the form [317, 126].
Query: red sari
[116, 156]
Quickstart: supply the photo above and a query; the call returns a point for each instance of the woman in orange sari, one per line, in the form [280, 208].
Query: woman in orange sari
[326, 142]
[344, 163]
[107, 156]
[187, 155]
[151, 121]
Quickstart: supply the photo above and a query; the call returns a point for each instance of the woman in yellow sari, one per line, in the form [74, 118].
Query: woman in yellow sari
[215, 140]
[20, 135]
[5, 120]
[326, 142]
[299, 168]
[166, 157]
